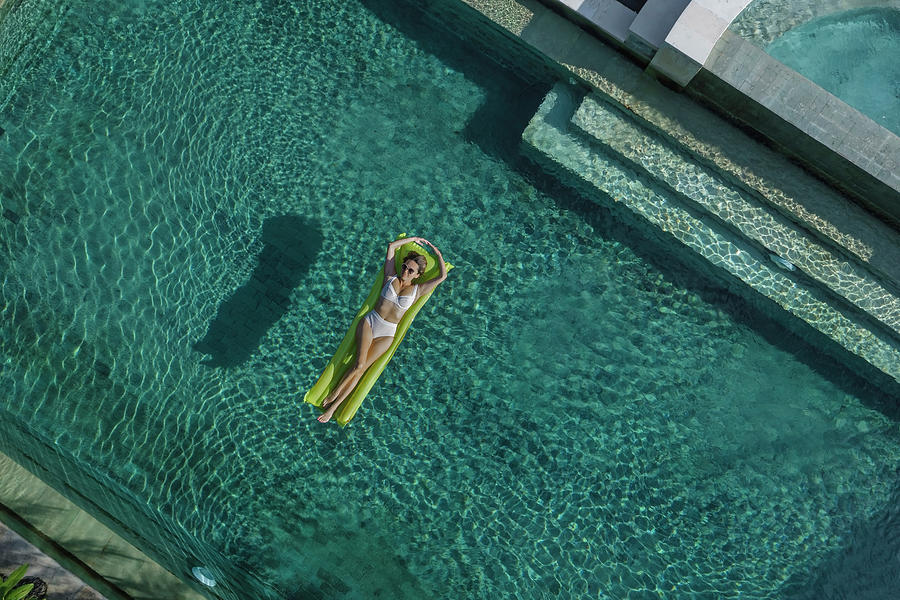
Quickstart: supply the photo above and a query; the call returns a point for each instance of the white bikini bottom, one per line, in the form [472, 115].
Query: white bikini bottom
[380, 327]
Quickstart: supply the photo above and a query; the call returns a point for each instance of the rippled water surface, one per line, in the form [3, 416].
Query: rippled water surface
[853, 55]
[197, 196]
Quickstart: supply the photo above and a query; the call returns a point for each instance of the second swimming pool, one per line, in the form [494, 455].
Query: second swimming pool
[851, 54]
[201, 196]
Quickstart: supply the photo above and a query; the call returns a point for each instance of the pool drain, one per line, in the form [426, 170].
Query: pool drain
[782, 262]
[203, 575]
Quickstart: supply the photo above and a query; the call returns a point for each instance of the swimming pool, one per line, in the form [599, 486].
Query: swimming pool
[201, 198]
[852, 54]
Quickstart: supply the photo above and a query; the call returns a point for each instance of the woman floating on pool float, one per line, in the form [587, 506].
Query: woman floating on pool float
[376, 330]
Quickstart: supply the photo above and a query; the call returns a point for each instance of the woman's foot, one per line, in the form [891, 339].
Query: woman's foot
[324, 417]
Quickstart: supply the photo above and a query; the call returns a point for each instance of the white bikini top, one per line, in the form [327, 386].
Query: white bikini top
[403, 302]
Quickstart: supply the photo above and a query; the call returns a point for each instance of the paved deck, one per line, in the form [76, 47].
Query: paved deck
[61, 584]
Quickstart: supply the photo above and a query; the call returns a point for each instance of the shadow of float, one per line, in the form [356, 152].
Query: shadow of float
[290, 245]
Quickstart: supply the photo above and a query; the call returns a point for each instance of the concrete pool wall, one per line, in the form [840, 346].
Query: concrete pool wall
[81, 543]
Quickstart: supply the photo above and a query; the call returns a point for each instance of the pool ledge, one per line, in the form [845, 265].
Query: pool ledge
[80, 543]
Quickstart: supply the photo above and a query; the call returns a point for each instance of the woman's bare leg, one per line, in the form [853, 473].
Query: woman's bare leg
[363, 341]
[368, 351]
[348, 384]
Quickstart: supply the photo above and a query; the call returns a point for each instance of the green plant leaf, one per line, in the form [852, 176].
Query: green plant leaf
[11, 581]
[17, 574]
[19, 593]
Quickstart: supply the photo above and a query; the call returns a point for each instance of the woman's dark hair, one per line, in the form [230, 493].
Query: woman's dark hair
[418, 259]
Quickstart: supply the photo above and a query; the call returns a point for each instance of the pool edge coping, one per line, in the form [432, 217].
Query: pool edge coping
[98, 556]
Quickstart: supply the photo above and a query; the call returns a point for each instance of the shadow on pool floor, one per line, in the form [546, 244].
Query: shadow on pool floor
[290, 245]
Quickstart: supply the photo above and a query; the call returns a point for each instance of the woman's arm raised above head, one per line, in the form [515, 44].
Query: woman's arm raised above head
[390, 270]
[428, 286]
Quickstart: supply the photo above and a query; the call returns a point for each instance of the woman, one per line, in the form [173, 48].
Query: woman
[376, 329]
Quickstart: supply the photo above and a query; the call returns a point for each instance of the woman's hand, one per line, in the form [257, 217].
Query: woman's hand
[433, 247]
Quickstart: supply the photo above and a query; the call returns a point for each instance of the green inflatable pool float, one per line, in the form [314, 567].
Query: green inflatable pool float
[343, 358]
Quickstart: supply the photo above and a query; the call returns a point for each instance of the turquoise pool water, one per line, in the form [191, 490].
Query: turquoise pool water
[198, 197]
[853, 55]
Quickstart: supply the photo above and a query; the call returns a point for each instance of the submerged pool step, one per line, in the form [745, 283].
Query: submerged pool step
[550, 140]
[748, 216]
